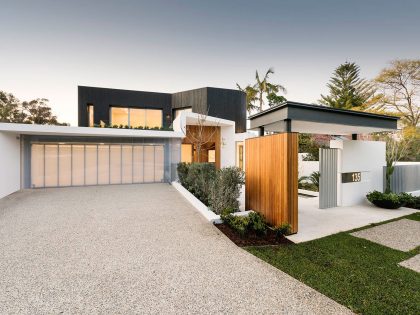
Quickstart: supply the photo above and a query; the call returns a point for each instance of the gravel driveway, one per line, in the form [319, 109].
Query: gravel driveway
[132, 249]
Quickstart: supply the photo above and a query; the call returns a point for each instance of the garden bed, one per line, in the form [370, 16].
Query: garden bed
[252, 239]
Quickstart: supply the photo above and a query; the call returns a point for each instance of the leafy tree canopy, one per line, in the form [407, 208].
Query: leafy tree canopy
[346, 89]
[400, 90]
[262, 90]
[33, 112]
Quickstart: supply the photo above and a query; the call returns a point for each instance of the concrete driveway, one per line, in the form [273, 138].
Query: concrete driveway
[132, 249]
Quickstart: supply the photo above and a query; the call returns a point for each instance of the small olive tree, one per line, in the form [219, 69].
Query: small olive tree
[226, 189]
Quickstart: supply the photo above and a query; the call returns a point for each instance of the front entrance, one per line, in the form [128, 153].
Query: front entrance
[59, 165]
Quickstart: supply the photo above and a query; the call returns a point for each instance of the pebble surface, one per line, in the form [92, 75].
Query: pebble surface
[413, 263]
[403, 235]
[133, 249]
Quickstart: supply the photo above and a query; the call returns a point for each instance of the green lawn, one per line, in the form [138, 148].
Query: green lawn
[357, 273]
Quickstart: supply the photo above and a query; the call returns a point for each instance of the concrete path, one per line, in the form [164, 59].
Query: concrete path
[402, 235]
[413, 263]
[315, 223]
[133, 249]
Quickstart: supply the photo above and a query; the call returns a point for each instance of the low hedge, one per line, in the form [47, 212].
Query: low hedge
[217, 189]
[196, 178]
[410, 201]
[254, 222]
[393, 201]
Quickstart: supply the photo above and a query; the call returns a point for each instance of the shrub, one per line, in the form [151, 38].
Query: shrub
[257, 223]
[182, 169]
[199, 179]
[282, 230]
[314, 178]
[244, 224]
[225, 189]
[410, 201]
[239, 223]
[384, 200]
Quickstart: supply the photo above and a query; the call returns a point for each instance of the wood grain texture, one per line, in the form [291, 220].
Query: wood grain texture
[211, 135]
[271, 168]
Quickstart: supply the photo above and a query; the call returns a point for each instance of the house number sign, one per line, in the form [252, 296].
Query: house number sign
[353, 177]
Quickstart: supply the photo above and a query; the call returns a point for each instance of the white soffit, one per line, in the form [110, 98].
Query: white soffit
[325, 128]
[50, 130]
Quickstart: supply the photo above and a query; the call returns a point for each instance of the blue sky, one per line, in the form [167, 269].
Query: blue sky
[49, 47]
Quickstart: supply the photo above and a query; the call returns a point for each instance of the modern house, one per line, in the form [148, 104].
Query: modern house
[127, 137]
[146, 136]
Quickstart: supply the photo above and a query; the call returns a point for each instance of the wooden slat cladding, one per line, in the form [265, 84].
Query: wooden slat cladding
[271, 177]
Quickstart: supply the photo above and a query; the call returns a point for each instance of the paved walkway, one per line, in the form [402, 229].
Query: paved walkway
[133, 249]
[402, 235]
[315, 223]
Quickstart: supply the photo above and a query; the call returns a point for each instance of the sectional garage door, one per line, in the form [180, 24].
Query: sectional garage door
[58, 165]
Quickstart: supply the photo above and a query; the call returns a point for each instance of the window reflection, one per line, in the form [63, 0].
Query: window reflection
[119, 116]
[136, 117]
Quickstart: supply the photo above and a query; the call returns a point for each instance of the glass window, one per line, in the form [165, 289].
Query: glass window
[115, 164]
[240, 155]
[127, 164]
[186, 153]
[119, 116]
[91, 165]
[153, 118]
[138, 164]
[64, 164]
[137, 117]
[78, 165]
[159, 163]
[103, 164]
[179, 111]
[149, 163]
[51, 165]
[37, 165]
[90, 115]
[211, 156]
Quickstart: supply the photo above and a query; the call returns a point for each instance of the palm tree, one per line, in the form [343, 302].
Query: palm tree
[265, 87]
[251, 97]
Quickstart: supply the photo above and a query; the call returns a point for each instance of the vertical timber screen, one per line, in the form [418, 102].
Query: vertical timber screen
[271, 168]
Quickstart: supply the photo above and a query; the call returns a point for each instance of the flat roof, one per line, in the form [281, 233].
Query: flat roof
[52, 130]
[308, 118]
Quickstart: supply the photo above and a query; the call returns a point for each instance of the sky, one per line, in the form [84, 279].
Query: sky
[48, 48]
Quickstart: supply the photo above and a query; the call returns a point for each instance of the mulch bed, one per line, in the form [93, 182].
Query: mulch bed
[252, 239]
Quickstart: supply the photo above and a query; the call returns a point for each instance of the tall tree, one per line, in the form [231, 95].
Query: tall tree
[262, 89]
[251, 97]
[39, 112]
[34, 112]
[346, 89]
[400, 87]
[10, 108]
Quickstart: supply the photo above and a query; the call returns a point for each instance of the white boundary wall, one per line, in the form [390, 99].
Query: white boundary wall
[9, 164]
[367, 157]
[306, 168]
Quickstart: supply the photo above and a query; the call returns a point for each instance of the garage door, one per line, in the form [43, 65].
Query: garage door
[58, 165]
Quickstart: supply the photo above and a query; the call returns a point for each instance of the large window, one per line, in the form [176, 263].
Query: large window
[136, 117]
[119, 116]
[186, 153]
